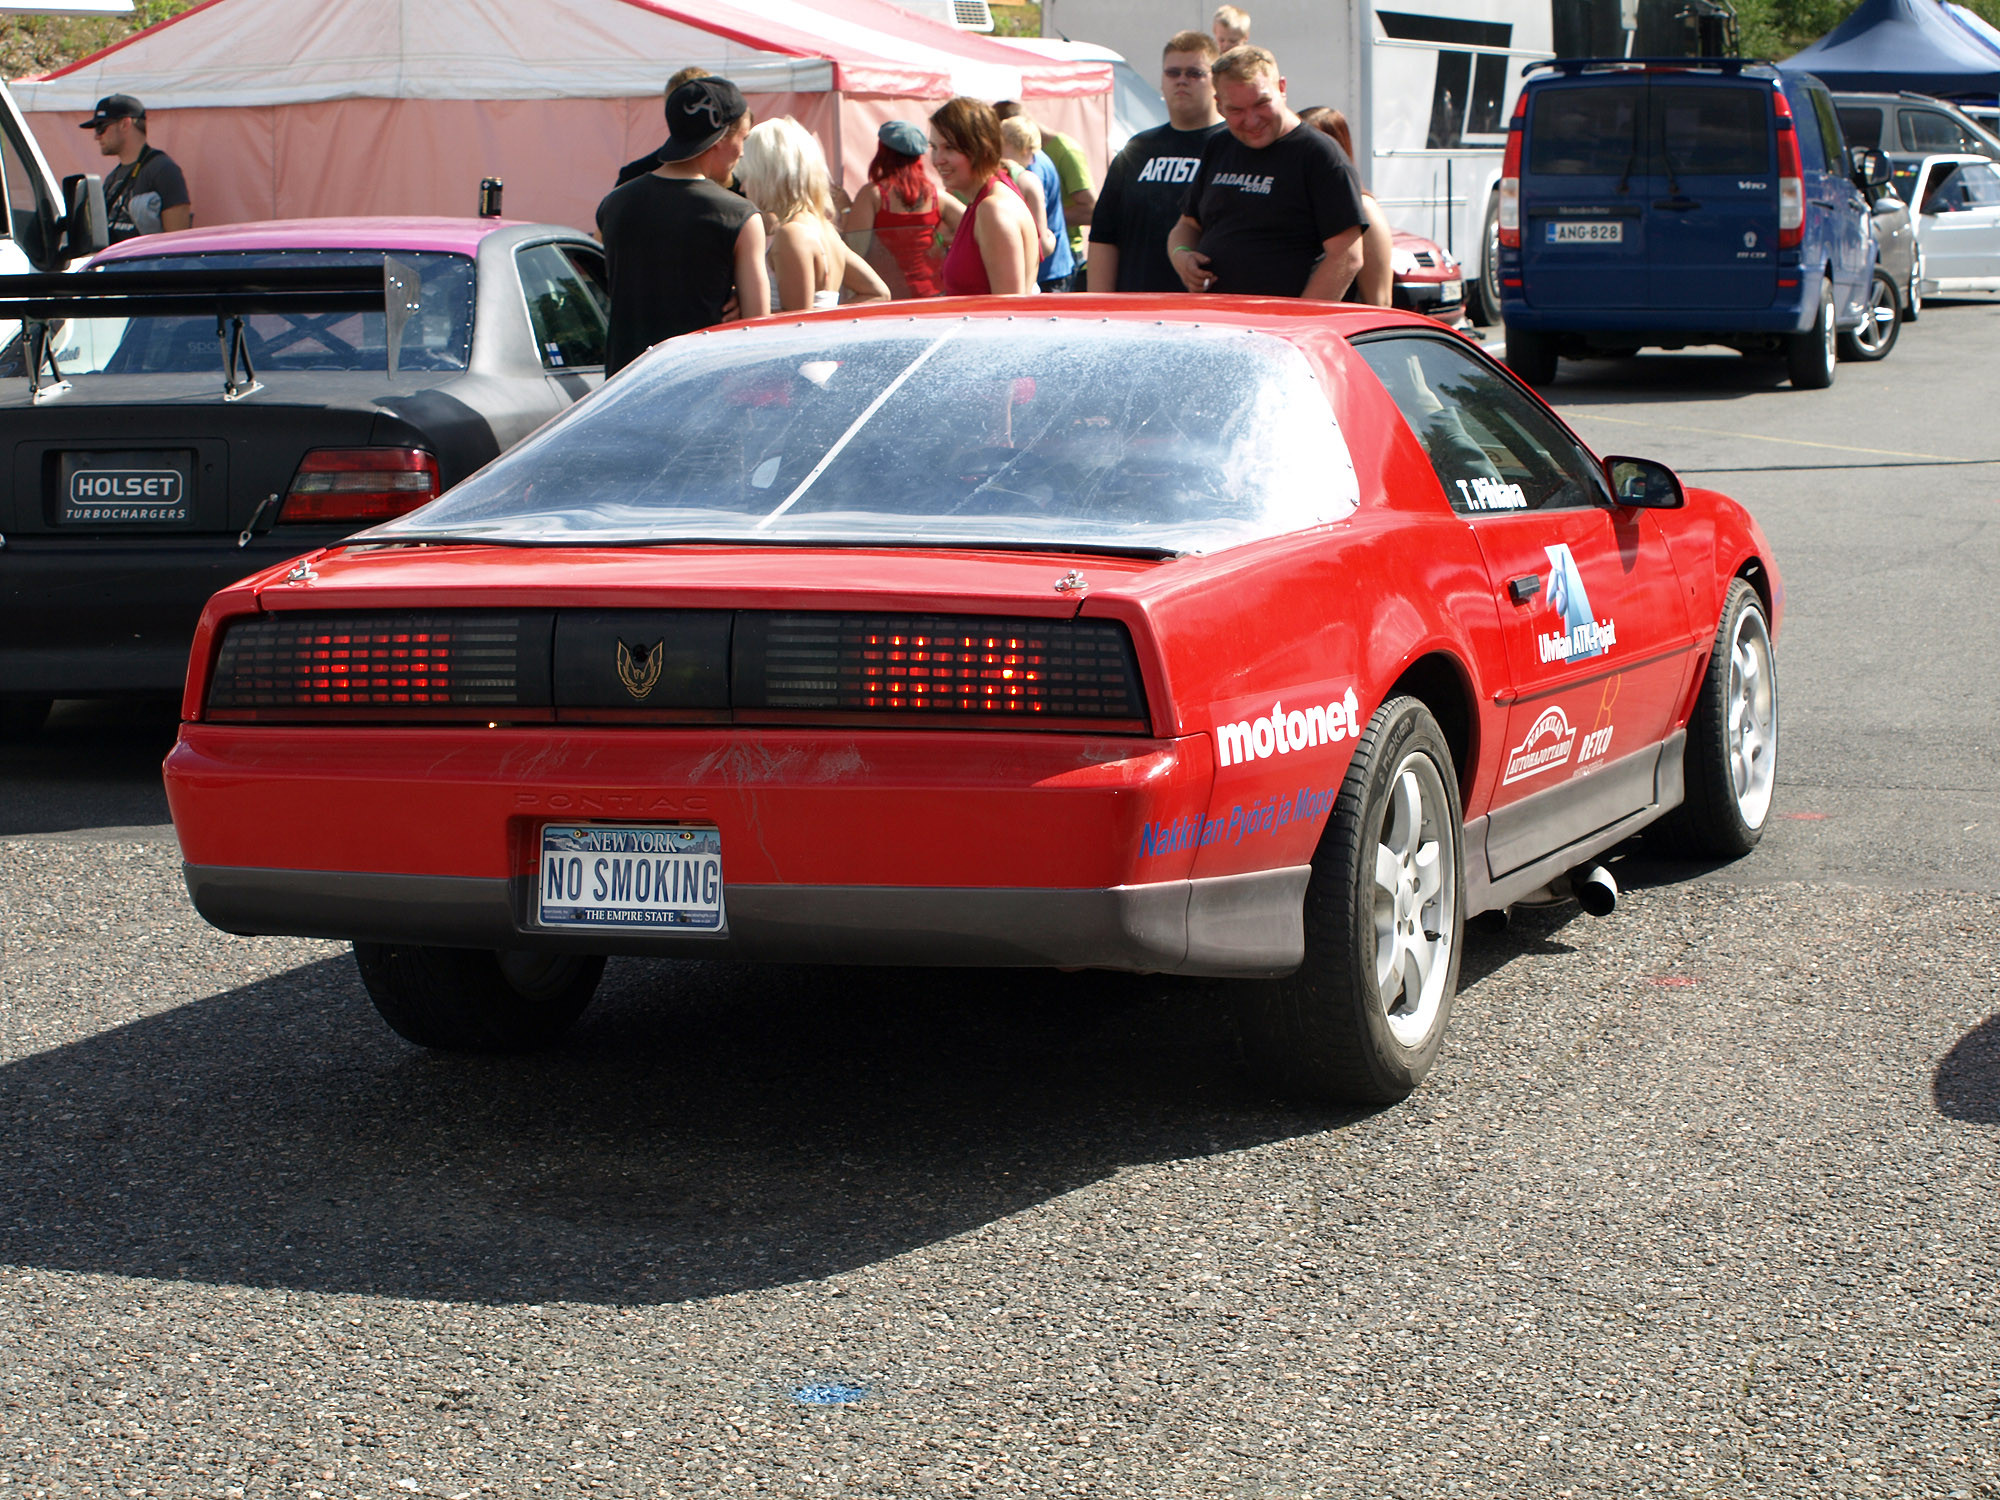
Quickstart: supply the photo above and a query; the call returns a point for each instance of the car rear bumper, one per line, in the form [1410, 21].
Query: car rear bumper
[1655, 325]
[85, 617]
[1232, 926]
[913, 846]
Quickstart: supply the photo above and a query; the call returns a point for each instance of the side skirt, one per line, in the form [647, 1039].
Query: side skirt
[1576, 814]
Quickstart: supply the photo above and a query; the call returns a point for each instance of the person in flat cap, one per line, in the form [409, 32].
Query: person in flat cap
[679, 247]
[145, 192]
[894, 223]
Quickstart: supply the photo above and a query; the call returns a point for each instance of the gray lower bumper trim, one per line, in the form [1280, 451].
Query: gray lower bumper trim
[1231, 926]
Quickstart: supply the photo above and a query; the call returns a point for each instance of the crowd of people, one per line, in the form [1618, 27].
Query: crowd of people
[732, 218]
[1237, 192]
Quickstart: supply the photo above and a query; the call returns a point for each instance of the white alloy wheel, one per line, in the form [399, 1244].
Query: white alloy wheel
[1752, 722]
[1414, 901]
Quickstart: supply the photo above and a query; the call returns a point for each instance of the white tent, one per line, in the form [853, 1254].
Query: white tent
[300, 108]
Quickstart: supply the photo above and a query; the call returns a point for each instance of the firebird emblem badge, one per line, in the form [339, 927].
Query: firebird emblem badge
[639, 667]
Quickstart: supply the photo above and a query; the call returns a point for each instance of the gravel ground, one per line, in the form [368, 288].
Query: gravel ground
[1701, 1202]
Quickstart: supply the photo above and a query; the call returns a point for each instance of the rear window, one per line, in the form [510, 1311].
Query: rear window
[1712, 131]
[950, 431]
[1665, 130]
[1587, 132]
[437, 337]
[1862, 126]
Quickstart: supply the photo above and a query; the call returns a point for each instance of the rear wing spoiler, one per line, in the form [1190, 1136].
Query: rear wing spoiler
[41, 300]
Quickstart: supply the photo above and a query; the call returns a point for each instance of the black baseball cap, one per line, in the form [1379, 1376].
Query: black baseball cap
[699, 113]
[115, 107]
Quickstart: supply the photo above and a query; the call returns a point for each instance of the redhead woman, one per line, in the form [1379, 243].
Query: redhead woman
[900, 214]
[995, 249]
[1375, 283]
[783, 172]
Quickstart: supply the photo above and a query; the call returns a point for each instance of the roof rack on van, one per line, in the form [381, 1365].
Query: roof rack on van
[1572, 66]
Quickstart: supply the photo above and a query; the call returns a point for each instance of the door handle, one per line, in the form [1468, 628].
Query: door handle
[1524, 588]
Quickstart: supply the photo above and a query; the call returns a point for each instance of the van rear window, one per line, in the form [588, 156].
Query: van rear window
[1712, 130]
[1586, 132]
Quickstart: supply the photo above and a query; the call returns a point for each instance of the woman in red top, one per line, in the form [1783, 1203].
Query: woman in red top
[895, 219]
[994, 250]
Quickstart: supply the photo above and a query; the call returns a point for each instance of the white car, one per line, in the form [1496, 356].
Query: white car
[1956, 200]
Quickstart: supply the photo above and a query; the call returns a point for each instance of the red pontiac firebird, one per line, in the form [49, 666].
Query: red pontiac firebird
[1244, 638]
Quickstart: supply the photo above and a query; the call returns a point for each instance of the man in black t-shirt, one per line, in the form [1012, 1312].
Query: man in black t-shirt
[1142, 193]
[678, 245]
[1275, 207]
[145, 193]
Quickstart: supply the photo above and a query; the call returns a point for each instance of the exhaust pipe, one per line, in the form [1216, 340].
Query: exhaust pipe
[1595, 890]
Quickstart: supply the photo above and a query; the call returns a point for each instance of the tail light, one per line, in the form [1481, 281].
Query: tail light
[359, 484]
[1791, 176]
[1510, 177]
[932, 664]
[333, 665]
[943, 671]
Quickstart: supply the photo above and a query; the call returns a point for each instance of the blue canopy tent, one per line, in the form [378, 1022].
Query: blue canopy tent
[1890, 45]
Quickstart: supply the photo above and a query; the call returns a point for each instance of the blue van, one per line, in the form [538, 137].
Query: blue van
[1663, 203]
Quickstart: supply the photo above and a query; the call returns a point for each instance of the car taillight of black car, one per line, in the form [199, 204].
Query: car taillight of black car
[354, 485]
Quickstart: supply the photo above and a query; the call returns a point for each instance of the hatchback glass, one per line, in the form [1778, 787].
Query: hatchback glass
[1143, 437]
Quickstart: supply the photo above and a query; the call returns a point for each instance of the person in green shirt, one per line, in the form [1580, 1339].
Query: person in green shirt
[1073, 171]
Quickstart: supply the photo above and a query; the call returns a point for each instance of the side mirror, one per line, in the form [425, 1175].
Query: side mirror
[1644, 484]
[86, 226]
[1870, 167]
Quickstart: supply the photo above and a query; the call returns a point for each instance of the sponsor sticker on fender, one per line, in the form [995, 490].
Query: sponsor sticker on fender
[1581, 635]
[1548, 744]
[1303, 720]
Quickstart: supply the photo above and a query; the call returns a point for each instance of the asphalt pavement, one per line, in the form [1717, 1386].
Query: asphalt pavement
[1701, 1200]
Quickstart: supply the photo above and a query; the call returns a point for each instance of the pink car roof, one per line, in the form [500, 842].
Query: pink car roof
[451, 236]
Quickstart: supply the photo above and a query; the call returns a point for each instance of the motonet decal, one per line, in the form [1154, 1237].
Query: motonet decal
[1320, 715]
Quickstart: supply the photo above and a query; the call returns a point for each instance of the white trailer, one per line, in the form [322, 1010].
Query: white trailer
[1427, 85]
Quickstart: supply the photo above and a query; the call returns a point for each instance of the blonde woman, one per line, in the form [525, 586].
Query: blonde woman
[783, 172]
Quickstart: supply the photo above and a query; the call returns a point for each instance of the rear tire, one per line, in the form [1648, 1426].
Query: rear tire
[1810, 356]
[1732, 746]
[1532, 356]
[472, 1000]
[1881, 321]
[23, 718]
[1363, 1018]
[1483, 290]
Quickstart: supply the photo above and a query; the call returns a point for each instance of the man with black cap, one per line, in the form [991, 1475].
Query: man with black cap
[145, 192]
[679, 246]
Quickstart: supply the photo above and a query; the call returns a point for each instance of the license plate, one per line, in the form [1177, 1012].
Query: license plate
[593, 875]
[133, 486]
[1587, 232]
[1450, 292]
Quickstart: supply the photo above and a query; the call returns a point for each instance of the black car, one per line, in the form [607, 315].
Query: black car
[195, 406]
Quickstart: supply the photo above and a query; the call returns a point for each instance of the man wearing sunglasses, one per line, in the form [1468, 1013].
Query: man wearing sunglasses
[1142, 193]
[145, 193]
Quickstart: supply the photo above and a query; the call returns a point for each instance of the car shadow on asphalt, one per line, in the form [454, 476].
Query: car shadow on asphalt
[707, 1129]
[1694, 375]
[1966, 1085]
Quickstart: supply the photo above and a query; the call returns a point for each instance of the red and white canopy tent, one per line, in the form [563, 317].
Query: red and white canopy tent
[300, 108]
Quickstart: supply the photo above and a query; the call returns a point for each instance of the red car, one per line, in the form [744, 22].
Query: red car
[1428, 279]
[1240, 638]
